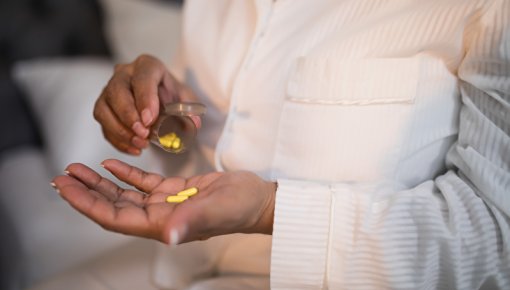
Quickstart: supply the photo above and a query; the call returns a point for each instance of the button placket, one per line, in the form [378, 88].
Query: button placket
[264, 8]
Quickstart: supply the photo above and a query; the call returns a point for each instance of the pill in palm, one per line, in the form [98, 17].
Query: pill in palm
[188, 192]
[176, 198]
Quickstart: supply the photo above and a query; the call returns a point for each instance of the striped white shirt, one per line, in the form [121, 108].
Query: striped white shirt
[386, 124]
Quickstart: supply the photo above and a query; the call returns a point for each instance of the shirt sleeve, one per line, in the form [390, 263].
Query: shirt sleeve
[452, 232]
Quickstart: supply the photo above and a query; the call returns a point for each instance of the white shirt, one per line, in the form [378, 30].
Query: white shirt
[386, 124]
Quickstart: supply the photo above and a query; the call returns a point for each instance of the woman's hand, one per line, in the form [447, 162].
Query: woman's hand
[227, 202]
[130, 102]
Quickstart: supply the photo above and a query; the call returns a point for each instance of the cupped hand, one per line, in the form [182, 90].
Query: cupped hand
[130, 102]
[227, 202]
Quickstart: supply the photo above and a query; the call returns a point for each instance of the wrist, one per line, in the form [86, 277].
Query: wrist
[265, 222]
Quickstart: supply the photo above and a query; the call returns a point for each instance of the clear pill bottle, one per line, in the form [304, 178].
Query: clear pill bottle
[174, 130]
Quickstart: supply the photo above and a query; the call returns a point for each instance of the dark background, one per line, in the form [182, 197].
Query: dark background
[40, 28]
[31, 29]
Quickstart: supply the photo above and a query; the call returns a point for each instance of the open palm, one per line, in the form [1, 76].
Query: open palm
[226, 202]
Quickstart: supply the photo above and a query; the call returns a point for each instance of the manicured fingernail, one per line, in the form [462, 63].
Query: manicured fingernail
[140, 130]
[55, 187]
[146, 117]
[176, 236]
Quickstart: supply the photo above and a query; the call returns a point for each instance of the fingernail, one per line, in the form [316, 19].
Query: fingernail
[67, 172]
[176, 235]
[102, 165]
[140, 130]
[55, 187]
[146, 117]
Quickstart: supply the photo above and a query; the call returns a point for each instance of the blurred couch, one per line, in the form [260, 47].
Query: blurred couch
[55, 57]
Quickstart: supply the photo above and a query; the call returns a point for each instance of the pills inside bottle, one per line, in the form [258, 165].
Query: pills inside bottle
[174, 130]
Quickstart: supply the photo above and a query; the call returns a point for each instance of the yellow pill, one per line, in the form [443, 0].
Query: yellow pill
[176, 144]
[188, 192]
[175, 199]
[168, 139]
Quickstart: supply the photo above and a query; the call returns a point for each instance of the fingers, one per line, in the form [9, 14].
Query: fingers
[144, 181]
[122, 102]
[148, 75]
[129, 103]
[114, 131]
[130, 220]
[80, 197]
[104, 187]
[184, 225]
[94, 181]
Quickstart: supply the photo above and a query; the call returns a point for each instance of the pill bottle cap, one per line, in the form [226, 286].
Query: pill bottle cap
[185, 109]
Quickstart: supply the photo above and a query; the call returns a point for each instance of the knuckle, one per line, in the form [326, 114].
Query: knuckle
[118, 67]
[97, 116]
[128, 115]
[122, 69]
[97, 113]
[124, 134]
[108, 91]
[144, 57]
[113, 86]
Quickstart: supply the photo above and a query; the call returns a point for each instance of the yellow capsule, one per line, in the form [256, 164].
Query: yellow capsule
[168, 139]
[175, 199]
[188, 192]
[176, 144]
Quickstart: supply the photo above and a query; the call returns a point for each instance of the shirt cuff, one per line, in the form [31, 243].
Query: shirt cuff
[300, 235]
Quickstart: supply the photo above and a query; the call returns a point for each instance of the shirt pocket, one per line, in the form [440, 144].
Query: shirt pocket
[353, 82]
[345, 120]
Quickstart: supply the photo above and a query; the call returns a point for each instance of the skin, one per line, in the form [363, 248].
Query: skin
[227, 202]
[129, 104]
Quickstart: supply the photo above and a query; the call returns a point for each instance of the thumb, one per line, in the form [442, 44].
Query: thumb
[185, 225]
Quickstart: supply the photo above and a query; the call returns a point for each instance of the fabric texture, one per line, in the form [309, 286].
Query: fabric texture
[392, 134]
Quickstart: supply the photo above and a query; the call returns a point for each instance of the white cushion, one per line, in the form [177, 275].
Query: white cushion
[134, 27]
[52, 236]
[62, 93]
